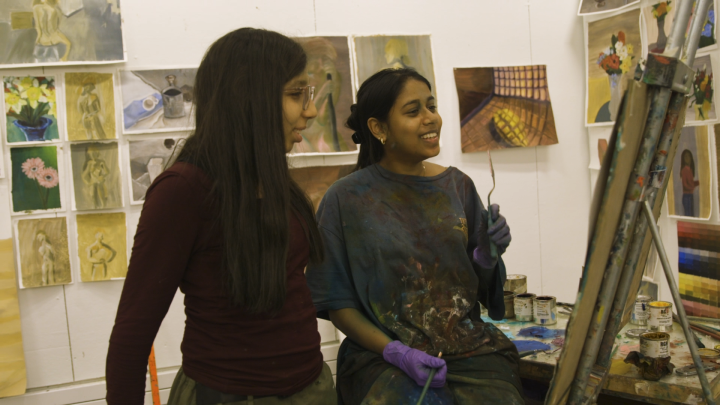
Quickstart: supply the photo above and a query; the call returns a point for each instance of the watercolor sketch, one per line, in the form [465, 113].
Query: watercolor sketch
[699, 278]
[690, 187]
[57, 32]
[504, 107]
[12, 357]
[380, 52]
[708, 36]
[658, 21]
[316, 180]
[90, 106]
[43, 250]
[614, 49]
[328, 66]
[35, 178]
[30, 109]
[157, 100]
[96, 175]
[102, 246]
[701, 106]
[149, 158]
[603, 6]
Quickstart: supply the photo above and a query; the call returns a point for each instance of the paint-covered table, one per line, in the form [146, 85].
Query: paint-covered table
[624, 379]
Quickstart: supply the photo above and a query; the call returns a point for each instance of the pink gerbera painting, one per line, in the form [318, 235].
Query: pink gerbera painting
[48, 177]
[32, 167]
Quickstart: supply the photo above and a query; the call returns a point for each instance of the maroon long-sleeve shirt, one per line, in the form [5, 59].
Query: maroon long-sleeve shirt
[178, 244]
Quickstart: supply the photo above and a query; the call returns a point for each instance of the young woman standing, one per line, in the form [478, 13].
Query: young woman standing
[229, 227]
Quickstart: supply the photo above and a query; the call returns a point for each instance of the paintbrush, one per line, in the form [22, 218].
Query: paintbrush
[493, 248]
[427, 383]
[697, 340]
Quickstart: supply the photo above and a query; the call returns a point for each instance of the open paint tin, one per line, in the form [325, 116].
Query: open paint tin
[660, 316]
[635, 333]
[709, 354]
[509, 304]
[544, 310]
[655, 344]
[516, 283]
[524, 307]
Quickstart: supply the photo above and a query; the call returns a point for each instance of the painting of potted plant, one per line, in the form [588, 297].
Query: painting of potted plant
[660, 12]
[616, 60]
[35, 178]
[30, 108]
[702, 93]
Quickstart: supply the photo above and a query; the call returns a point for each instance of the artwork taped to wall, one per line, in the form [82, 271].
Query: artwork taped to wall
[96, 175]
[504, 107]
[102, 246]
[690, 187]
[158, 100]
[708, 36]
[658, 21]
[603, 6]
[12, 357]
[60, 32]
[35, 179]
[30, 109]
[328, 67]
[316, 180]
[90, 106]
[381, 52]
[42, 246]
[698, 256]
[149, 158]
[613, 51]
[701, 107]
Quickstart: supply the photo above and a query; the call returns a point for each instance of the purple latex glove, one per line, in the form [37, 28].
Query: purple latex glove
[415, 363]
[499, 234]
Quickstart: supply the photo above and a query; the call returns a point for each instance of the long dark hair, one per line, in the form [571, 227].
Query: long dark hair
[687, 153]
[375, 99]
[239, 142]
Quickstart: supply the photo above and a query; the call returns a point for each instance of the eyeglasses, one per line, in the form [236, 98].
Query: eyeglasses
[308, 93]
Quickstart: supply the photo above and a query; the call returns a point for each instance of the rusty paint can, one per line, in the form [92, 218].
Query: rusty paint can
[509, 304]
[524, 307]
[544, 310]
[655, 344]
[516, 283]
[660, 316]
[641, 312]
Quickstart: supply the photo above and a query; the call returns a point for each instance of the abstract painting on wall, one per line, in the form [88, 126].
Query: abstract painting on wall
[698, 255]
[60, 32]
[12, 357]
[102, 246]
[96, 175]
[614, 49]
[42, 246]
[30, 109]
[701, 106]
[328, 67]
[316, 180]
[90, 106]
[157, 100]
[380, 52]
[689, 192]
[148, 159]
[658, 21]
[603, 6]
[504, 107]
[35, 178]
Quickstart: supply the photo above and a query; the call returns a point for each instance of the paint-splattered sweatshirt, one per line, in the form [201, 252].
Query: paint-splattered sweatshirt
[399, 249]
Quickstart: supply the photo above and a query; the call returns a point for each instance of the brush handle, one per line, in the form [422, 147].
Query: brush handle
[427, 385]
[493, 248]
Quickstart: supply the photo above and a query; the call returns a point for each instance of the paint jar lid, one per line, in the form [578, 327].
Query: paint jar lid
[707, 353]
[661, 304]
[635, 333]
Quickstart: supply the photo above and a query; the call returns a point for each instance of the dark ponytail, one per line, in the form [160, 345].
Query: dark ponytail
[375, 99]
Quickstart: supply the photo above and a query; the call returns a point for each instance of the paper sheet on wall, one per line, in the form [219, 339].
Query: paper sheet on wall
[13, 380]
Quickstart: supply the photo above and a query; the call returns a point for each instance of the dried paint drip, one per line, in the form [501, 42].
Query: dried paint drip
[541, 332]
[525, 345]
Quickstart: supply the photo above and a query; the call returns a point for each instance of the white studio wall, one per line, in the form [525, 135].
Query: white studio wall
[542, 191]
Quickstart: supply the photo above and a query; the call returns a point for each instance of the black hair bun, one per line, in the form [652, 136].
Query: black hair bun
[353, 122]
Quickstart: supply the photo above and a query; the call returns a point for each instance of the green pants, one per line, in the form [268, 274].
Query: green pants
[320, 392]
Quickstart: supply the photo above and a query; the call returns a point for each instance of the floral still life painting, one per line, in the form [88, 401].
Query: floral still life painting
[35, 178]
[658, 21]
[30, 108]
[701, 106]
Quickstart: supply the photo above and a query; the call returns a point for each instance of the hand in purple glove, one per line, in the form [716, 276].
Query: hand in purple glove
[499, 234]
[415, 363]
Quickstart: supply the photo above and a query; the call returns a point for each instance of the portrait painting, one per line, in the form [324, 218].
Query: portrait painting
[60, 32]
[102, 246]
[315, 180]
[35, 178]
[90, 106]
[96, 175]
[603, 6]
[328, 69]
[701, 106]
[158, 100]
[30, 109]
[149, 158]
[42, 246]
[504, 107]
[689, 192]
[12, 356]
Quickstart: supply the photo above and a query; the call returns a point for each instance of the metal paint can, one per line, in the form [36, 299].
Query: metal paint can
[709, 354]
[516, 283]
[544, 310]
[660, 316]
[655, 344]
[524, 307]
[641, 313]
[509, 305]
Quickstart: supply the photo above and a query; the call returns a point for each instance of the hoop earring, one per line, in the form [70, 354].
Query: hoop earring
[382, 141]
